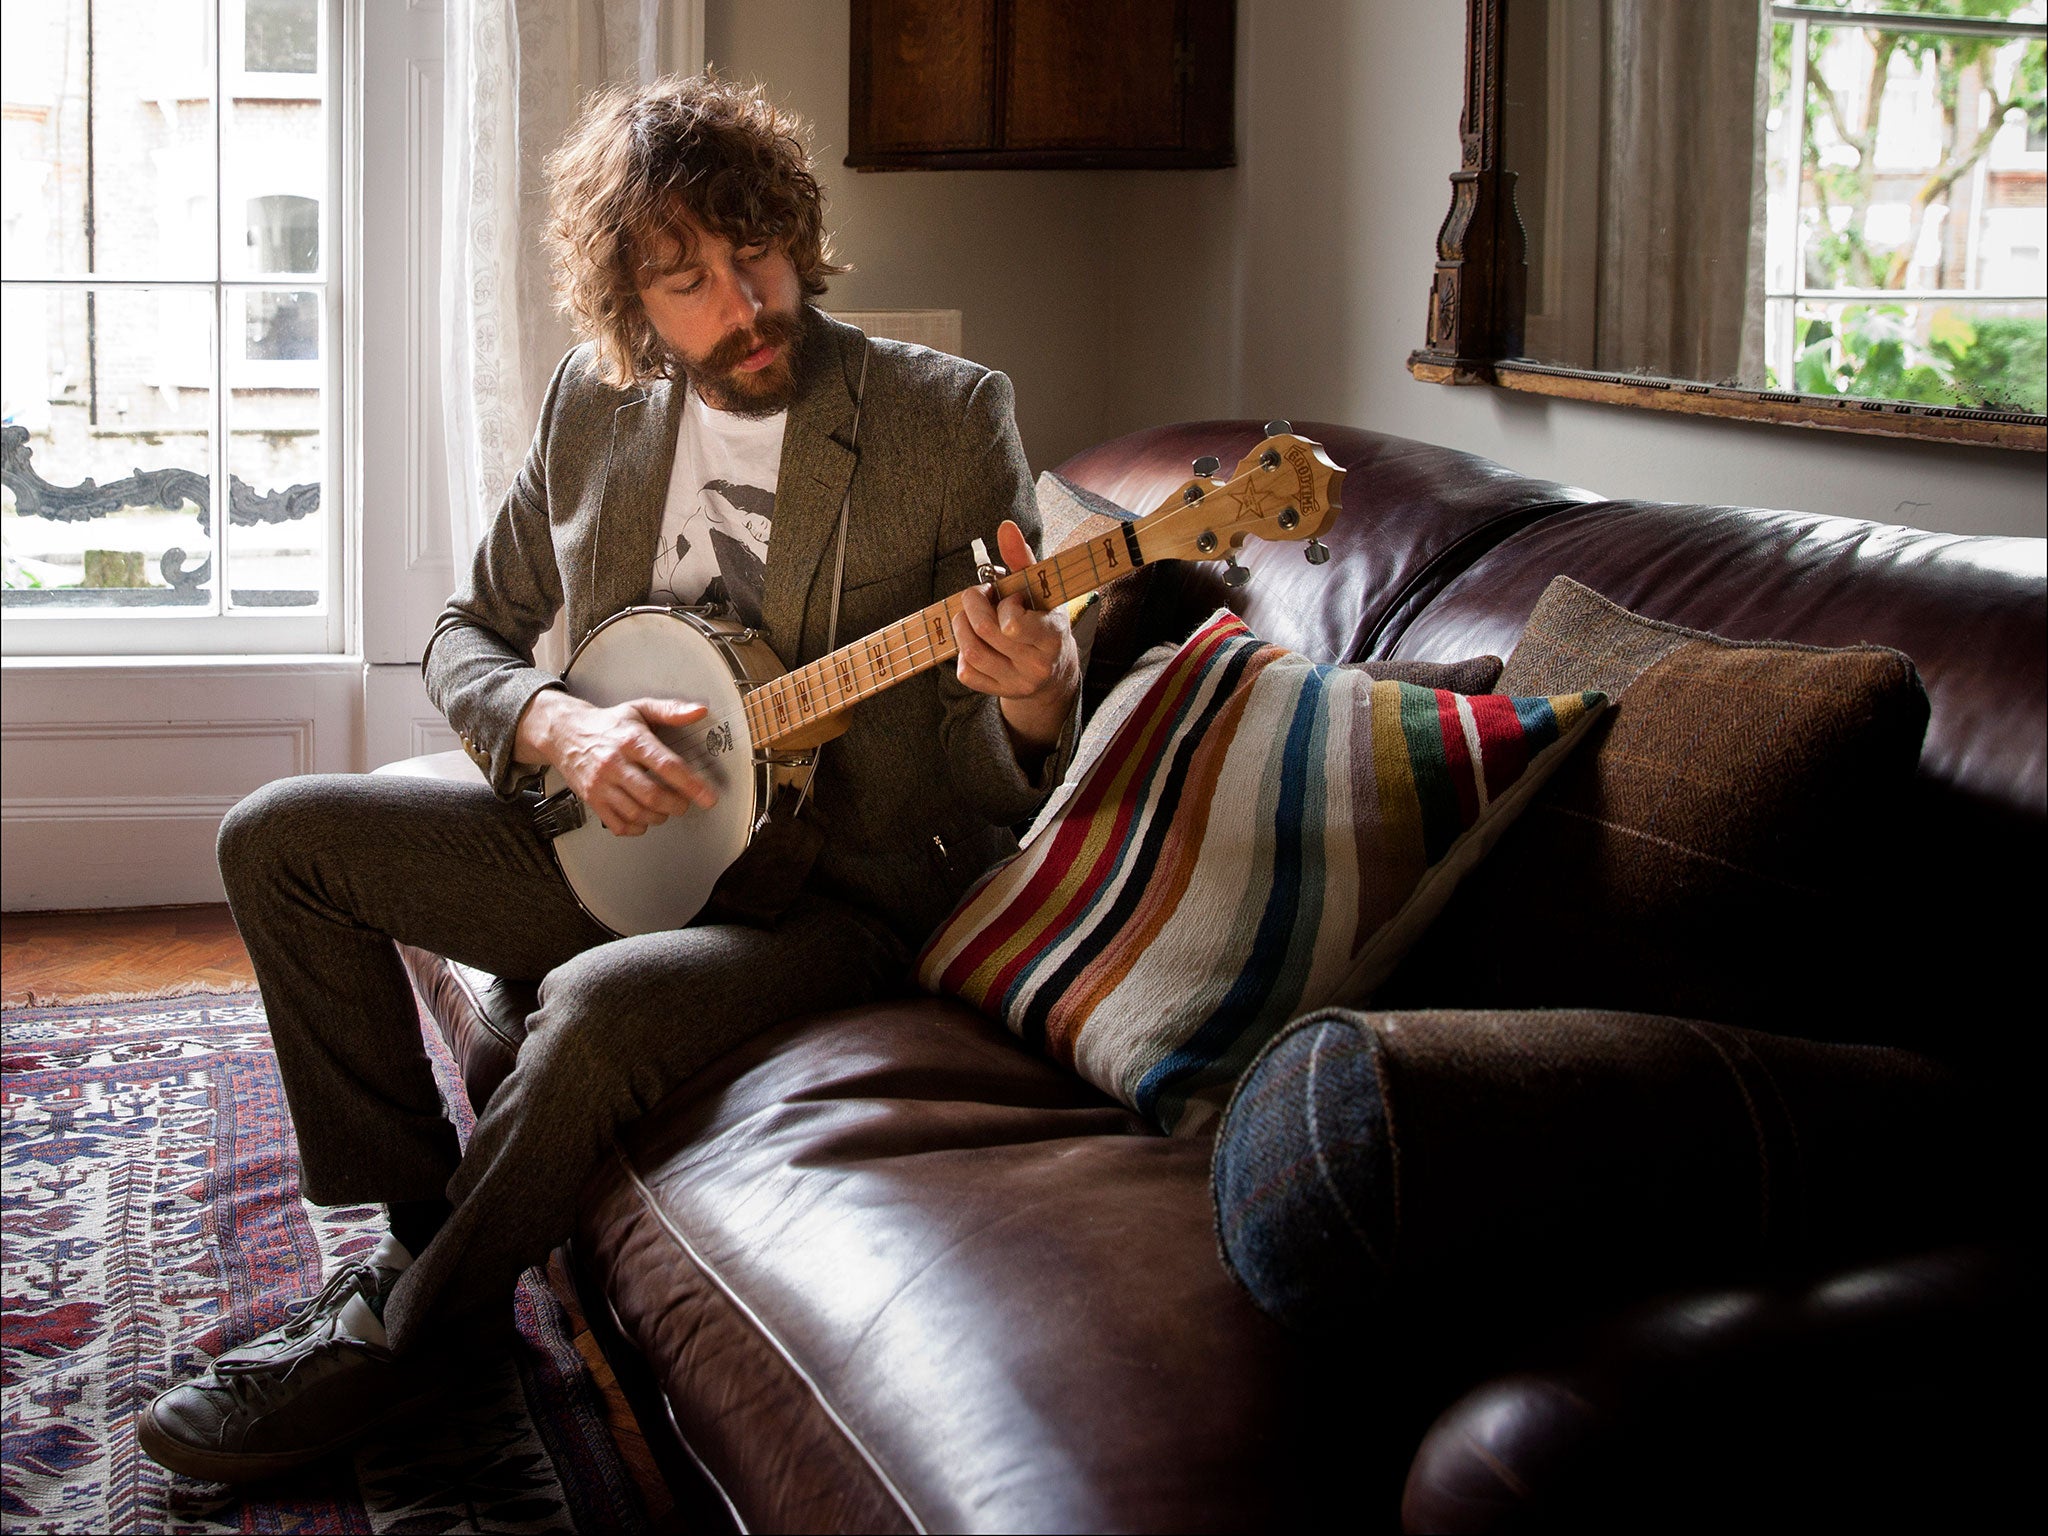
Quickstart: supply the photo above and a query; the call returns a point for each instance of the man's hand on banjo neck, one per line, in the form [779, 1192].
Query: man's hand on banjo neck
[1023, 656]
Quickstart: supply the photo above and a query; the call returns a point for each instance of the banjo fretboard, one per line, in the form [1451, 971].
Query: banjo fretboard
[916, 643]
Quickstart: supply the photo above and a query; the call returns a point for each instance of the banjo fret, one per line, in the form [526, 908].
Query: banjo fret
[914, 644]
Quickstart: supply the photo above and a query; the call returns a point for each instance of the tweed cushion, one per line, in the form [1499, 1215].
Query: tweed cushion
[1475, 674]
[1068, 513]
[1243, 834]
[1502, 1161]
[1708, 848]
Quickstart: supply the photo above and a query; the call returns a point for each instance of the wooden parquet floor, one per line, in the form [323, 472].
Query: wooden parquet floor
[63, 957]
[52, 958]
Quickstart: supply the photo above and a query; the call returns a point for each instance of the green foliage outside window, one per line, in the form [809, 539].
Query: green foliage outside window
[1997, 363]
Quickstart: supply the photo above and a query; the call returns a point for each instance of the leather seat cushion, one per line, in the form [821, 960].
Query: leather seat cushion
[481, 1016]
[893, 1271]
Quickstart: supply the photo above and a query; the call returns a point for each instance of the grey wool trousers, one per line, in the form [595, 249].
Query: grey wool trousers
[324, 872]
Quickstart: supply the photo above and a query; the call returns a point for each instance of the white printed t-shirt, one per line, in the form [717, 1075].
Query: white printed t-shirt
[721, 509]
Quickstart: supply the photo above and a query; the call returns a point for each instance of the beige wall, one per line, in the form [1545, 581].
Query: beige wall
[1293, 285]
[1031, 258]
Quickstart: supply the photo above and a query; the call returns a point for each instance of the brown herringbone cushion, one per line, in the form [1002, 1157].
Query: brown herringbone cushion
[1711, 853]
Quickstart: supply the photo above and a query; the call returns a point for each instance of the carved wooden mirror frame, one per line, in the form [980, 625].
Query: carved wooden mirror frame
[1480, 294]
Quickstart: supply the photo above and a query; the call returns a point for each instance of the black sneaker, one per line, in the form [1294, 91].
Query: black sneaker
[298, 1393]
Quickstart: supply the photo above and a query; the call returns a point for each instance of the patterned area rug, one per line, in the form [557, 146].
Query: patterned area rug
[152, 1217]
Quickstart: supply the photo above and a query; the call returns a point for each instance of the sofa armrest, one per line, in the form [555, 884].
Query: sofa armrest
[1526, 1164]
[1853, 1399]
[457, 766]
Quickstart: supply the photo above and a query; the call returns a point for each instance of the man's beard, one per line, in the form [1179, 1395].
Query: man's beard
[718, 378]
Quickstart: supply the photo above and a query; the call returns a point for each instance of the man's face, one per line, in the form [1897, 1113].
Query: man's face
[732, 317]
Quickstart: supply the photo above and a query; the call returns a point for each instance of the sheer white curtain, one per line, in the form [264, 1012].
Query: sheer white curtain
[514, 73]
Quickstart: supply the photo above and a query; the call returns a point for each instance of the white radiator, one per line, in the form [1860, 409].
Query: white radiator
[938, 329]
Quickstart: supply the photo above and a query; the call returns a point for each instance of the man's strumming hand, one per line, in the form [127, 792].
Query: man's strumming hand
[1024, 657]
[617, 766]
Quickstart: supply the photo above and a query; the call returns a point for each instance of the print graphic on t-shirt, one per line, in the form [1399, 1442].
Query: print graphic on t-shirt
[725, 532]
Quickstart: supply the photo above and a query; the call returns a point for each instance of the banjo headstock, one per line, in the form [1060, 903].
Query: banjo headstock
[1285, 488]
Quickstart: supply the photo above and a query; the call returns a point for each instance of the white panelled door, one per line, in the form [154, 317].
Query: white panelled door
[407, 573]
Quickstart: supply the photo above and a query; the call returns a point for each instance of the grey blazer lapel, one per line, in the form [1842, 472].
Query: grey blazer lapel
[636, 476]
[817, 467]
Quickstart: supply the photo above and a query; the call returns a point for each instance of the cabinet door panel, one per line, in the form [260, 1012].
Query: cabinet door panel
[924, 75]
[1093, 73]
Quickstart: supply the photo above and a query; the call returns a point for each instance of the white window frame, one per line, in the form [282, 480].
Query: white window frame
[333, 627]
[1786, 300]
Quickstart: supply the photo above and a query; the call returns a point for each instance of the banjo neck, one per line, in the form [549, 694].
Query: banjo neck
[1285, 488]
[789, 709]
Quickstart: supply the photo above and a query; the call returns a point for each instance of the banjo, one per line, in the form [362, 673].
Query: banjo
[762, 725]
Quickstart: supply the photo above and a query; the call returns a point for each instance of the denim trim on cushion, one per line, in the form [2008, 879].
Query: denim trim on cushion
[1306, 1174]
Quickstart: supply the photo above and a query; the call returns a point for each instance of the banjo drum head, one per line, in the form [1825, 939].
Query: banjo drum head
[661, 879]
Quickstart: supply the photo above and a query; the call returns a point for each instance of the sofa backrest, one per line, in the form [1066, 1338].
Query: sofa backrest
[1441, 555]
[1971, 612]
[1414, 516]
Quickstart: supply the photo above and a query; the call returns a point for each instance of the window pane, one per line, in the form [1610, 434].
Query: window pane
[2019, 10]
[281, 327]
[281, 36]
[109, 411]
[1949, 352]
[274, 174]
[1918, 171]
[284, 233]
[277, 537]
[127, 189]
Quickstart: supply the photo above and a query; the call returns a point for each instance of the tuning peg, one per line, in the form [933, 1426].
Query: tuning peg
[1206, 466]
[1235, 575]
[1278, 428]
[1316, 552]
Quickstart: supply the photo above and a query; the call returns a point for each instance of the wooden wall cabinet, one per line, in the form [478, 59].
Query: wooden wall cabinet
[1037, 84]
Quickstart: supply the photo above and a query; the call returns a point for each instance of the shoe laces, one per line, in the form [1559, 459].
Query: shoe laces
[349, 1280]
[263, 1355]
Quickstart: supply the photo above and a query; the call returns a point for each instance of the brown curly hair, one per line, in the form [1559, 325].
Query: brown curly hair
[636, 162]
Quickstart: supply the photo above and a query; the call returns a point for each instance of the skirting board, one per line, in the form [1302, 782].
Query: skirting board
[160, 859]
[117, 773]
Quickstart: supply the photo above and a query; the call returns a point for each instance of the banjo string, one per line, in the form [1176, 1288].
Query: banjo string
[894, 652]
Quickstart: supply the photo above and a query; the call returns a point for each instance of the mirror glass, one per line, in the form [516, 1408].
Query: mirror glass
[1839, 198]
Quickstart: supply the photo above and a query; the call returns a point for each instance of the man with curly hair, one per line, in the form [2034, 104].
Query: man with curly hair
[700, 444]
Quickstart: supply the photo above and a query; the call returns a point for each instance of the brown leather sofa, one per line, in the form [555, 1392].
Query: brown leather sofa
[886, 1270]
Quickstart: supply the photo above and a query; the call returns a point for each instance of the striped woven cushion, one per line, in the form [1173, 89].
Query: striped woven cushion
[1244, 835]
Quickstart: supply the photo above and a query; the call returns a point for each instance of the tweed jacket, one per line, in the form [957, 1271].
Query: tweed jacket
[918, 796]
